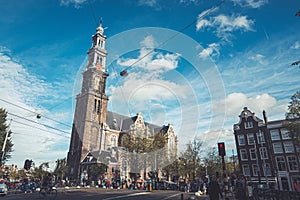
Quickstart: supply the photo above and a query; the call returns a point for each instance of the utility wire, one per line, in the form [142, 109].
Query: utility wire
[175, 35]
[35, 113]
[15, 121]
[122, 92]
[124, 72]
[17, 106]
[38, 123]
[93, 13]
[63, 101]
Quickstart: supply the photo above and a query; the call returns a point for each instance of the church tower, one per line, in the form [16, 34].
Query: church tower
[91, 106]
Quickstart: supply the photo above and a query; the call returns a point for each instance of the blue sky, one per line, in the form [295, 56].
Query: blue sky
[239, 54]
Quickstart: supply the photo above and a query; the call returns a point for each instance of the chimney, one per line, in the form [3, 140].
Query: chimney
[265, 116]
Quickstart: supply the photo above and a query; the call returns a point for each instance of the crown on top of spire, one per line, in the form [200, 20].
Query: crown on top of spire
[100, 29]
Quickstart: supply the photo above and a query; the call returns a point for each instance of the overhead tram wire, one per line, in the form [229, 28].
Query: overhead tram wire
[95, 19]
[122, 93]
[92, 12]
[37, 128]
[62, 101]
[38, 123]
[124, 72]
[35, 113]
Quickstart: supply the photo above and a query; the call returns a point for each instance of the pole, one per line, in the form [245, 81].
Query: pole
[4, 143]
[223, 166]
[224, 174]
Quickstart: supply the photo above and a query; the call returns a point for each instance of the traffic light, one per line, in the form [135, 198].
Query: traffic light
[221, 148]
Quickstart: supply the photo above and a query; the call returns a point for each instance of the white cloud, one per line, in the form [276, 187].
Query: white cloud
[21, 92]
[232, 23]
[250, 3]
[150, 3]
[77, 3]
[296, 45]
[202, 24]
[259, 58]
[212, 137]
[235, 102]
[225, 25]
[211, 51]
[139, 87]
[148, 42]
[150, 60]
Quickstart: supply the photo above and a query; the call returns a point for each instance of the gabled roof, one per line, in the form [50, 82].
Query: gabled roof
[127, 122]
[246, 113]
[120, 122]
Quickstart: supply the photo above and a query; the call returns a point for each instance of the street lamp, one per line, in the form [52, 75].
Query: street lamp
[124, 73]
[145, 168]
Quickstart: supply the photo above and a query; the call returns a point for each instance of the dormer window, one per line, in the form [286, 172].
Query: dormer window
[248, 125]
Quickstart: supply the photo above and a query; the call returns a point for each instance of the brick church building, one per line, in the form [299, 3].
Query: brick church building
[96, 133]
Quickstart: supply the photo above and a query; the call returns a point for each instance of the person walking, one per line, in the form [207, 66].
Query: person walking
[213, 189]
[296, 187]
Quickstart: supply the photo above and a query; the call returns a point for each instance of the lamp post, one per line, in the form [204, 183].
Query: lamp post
[145, 166]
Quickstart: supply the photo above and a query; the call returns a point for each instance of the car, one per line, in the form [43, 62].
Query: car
[3, 189]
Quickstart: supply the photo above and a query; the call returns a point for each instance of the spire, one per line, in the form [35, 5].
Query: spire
[100, 29]
[97, 53]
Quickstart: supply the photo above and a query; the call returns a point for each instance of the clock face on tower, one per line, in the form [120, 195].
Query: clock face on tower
[99, 67]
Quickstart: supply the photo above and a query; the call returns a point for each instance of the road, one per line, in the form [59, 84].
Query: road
[102, 194]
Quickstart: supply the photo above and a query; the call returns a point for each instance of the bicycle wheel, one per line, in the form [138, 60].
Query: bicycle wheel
[52, 194]
[42, 193]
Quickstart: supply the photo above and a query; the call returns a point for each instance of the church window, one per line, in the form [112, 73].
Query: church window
[100, 62]
[99, 107]
[95, 105]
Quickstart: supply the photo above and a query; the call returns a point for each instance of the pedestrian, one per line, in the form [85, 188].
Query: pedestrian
[213, 189]
[296, 187]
